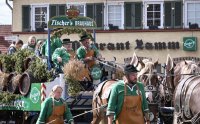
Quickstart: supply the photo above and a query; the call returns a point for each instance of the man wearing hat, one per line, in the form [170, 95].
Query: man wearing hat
[127, 103]
[87, 52]
[61, 56]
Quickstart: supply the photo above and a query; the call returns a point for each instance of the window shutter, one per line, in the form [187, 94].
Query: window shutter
[128, 15]
[138, 15]
[90, 11]
[99, 15]
[168, 14]
[26, 18]
[52, 11]
[178, 14]
[61, 10]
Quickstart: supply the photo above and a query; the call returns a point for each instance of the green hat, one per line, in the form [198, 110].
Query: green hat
[84, 37]
[130, 68]
[65, 41]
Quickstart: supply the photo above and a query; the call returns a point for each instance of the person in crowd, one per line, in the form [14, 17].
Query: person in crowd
[86, 52]
[54, 110]
[14, 47]
[12, 44]
[55, 43]
[31, 44]
[38, 48]
[61, 56]
[127, 103]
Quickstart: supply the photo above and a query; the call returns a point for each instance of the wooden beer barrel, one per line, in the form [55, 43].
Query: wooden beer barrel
[3, 81]
[13, 83]
[25, 83]
[27, 62]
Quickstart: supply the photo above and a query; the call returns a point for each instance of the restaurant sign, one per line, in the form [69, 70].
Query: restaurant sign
[189, 43]
[64, 21]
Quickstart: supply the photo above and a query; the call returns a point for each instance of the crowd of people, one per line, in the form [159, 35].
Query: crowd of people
[61, 50]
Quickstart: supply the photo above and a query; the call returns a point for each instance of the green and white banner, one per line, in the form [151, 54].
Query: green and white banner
[32, 102]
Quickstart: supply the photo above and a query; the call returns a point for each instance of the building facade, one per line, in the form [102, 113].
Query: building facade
[150, 28]
[5, 31]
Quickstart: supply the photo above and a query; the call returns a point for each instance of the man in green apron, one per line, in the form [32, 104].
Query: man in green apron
[127, 103]
[87, 52]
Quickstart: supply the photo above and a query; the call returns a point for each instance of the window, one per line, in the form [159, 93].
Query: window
[114, 15]
[26, 18]
[39, 17]
[133, 15]
[36, 16]
[192, 12]
[79, 6]
[57, 10]
[95, 11]
[173, 14]
[153, 14]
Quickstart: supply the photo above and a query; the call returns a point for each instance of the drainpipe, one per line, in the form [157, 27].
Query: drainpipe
[9, 5]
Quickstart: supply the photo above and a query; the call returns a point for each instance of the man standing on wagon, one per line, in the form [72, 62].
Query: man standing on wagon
[127, 103]
[61, 56]
[86, 52]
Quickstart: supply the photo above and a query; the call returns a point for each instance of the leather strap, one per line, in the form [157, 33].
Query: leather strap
[178, 94]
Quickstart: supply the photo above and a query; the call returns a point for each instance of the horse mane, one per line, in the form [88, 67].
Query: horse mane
[190, 67]
[147, 68]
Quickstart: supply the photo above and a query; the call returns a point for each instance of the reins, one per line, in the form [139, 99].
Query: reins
[102, 106]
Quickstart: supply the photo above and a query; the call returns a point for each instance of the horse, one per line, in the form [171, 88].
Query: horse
[175, 72]
[185, 86]
[101, 94]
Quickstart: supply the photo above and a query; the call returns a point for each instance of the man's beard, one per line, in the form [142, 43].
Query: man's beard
[132, 82]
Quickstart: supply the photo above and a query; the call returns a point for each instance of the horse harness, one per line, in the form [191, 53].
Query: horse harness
[183, 95]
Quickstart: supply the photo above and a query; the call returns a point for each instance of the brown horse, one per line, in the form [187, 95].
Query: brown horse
[186, 83]
[101, 94]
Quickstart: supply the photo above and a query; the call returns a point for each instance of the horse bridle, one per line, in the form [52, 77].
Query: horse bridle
[149, 87]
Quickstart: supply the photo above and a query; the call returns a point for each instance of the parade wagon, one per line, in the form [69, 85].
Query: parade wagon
[27, 93]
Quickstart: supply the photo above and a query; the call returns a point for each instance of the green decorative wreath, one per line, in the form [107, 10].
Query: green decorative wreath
[68, 31]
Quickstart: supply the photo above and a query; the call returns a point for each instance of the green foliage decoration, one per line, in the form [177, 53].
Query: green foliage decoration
[19, 58]
[7, 98]
[39, 70]
[7, 62]
[74, 87]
